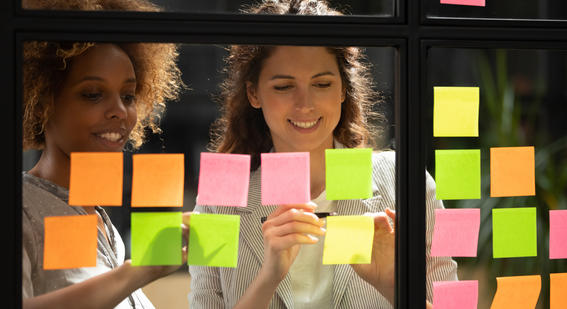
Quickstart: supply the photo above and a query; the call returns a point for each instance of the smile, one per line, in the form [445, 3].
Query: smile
[111, 136]
[304, 124]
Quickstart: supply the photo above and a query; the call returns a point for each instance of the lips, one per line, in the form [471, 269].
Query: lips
[305, 124]
[112, 136]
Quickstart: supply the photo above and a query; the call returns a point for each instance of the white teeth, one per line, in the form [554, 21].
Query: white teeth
[111, 136]
[305, 125]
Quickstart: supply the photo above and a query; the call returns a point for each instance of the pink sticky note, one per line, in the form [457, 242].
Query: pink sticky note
[285, 178]
[558, 234]
[456, 232]
[455, 294]
[465, 2]
[223, 179]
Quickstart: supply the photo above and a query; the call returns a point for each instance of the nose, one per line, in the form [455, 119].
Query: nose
[116, 108]
[304, 101]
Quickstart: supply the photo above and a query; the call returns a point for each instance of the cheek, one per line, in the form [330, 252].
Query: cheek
[132, 116]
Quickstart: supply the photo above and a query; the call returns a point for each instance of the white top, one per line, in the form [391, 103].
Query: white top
[311, 281]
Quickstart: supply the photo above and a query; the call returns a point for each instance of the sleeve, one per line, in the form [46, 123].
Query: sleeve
[206, 288]
[27, 248]
[438, 268]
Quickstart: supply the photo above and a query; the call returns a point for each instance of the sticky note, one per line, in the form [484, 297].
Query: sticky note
[285, 178]
[96, 179]
[558, 288]
[223, 179]
[158, 180]
[213, 240]
[455, 111]
[512, 171]
[156, 238]
[348, 240]
[465, 2]
[457, 174]
[70, 241]
[558, 234]
[456, 232]
[514, 232]
[348, 173]
[517, 292]
[455, 294]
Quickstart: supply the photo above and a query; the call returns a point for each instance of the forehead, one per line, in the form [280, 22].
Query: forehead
[101, 60]
[300, 59]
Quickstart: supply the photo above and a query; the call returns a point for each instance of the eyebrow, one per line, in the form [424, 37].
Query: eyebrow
[96, 78]
[291, 77]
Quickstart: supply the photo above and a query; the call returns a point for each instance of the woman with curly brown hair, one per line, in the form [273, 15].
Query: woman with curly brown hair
[303, 99]
[87, 97]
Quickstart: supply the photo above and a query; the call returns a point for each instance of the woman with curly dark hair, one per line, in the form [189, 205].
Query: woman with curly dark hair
[303, 99]
[87, 97]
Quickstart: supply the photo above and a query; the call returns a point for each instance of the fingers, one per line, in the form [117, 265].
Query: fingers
[309, 207]
[293, 214]
[381, 221]
[289, 240]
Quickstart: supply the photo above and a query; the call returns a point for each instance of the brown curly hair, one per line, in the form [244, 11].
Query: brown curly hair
[242, 128]
[46, 64]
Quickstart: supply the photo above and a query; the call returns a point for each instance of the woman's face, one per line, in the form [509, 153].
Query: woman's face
[95, 108]
[300, 93]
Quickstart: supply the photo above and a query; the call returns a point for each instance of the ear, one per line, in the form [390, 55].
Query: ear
[252, 95]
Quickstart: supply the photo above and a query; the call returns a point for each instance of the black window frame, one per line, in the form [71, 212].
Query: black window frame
[410, 31]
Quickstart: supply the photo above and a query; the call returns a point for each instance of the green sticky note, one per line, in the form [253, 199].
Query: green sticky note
[213, 240]
[514, 232]
[348, 240]
[455, 111]
[156, 238]
[348, 173]
[457, 174]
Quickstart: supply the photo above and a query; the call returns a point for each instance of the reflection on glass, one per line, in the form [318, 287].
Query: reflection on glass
[505, 9]
[522, 99]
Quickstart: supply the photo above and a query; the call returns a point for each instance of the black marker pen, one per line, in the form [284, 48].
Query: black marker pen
[318, 214]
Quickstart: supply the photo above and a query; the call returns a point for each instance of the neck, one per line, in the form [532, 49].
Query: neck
[53, 165]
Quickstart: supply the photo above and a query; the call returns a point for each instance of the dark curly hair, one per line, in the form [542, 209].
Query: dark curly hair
[242, 128]
[47, 63]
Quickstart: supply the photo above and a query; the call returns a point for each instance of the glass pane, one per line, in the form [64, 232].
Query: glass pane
[506, 9]
[381, 8]
[186, 126]
[521, 104]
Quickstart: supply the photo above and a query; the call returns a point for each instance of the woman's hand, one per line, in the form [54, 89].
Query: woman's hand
[380, 273]
[285, 229]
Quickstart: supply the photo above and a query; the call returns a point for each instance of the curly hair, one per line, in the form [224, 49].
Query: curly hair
[46, 64]
[242, 128]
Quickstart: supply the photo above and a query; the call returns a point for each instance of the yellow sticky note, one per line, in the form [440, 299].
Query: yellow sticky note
[70, 242]
[517, 292]
[348, 240]
[558, 295]
[157, 180]
[96, 179]
[455, 111]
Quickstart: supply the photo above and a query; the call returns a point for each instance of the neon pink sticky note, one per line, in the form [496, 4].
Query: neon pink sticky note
[465, 2]
[455, 294]
[285, 178]
[223, 179]
[558, 234]
[456, 232]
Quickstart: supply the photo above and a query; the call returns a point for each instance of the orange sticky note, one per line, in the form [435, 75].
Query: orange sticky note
[558, 289]
[157, 180]
[517, 292]
[96, 179]
[512, 171]
[70, 242]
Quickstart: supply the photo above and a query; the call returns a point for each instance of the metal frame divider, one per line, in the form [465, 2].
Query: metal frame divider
[411, 32]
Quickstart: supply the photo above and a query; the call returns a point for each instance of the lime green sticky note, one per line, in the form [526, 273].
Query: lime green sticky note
[455, 111]
[514, 232]
[213, 240]
[156, 238]
[457, 174]
[348, 240]
[348, 173]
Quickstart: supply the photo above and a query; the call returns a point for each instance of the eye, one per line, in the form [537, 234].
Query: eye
[91, 96]
[282, 87]
[322, 84]
[128, 99]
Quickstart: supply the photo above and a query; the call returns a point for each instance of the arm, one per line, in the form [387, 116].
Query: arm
[288, 227]
[106, 290]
